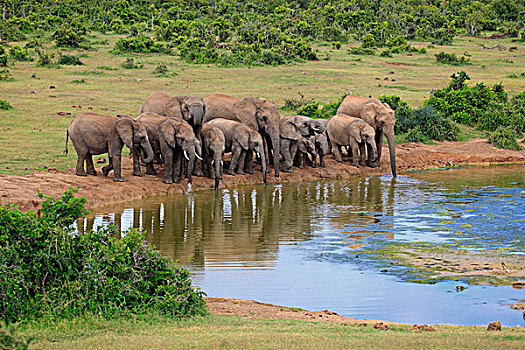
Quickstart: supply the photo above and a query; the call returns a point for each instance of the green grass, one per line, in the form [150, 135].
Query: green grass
[225, 332]
[35, 133]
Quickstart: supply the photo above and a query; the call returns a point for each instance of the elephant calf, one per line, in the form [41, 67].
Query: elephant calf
[94, 134]
[306, 147]
[213, 146]
[321, 146]
[344, 130]
[241, 141]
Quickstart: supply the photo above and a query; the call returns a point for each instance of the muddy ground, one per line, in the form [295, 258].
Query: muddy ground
[100, 190]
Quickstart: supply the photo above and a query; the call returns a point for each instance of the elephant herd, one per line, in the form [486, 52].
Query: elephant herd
[175, 130]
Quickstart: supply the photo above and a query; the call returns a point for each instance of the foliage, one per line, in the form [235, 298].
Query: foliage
[3, 56]
[45, 270]
[161, 69]
[5, 74]
[5, 105]
[510, 114]
[19, 53]
[462, 103]
[505, 137]
[452, 59]
[403, 113]
[70, 35]
[70, 60]
[314, 109]
[139, 43]
[45, 59]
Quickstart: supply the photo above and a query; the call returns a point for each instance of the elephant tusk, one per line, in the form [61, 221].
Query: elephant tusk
[258, 154]
[213, 161]
[198, 157]
[186, 155]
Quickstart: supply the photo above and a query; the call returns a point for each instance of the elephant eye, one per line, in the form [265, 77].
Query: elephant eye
[305, 124]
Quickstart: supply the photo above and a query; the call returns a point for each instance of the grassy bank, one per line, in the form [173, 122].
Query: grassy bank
[44, 100]
[226, 332]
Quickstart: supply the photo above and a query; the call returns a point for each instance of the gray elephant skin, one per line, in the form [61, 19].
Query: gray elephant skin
[380, 116]
[188, 108]
[259, 114]
[94, 134]
[241, 141]
[305, 149]
[292, 129]
[344, 130]
[213, 146]
[172, 139]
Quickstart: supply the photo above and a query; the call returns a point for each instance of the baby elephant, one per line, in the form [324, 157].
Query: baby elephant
[241, 141]
[305, 147]
[344, 130]
[321, 147]
[213, 145]
[94, 134]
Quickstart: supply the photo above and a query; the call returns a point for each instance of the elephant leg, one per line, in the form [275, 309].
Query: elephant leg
[248, 162]
[287, 157]
[117, 166]
[90, 167]
[362, 154]
[197, 170]
[236, 153]
[337, 153]
[379, 144]
[314, 160]
[240, 165]
[179, 163]
[106, 169]
[355, 152]
[82, 153]
[136, 161]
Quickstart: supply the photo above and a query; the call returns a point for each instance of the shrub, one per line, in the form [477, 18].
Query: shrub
[3, 56]
[416, 135]
[505, 137]
[129, 63]
[5, 105]
[68, 36]
[45, 270]
[70, 60]
[402, 111]
[451, 58]
[10, 340]
[44, 58]
[507, 114]
[139, 43]
[19, 53]
[434, 125]
[161, 69]
[5, 74]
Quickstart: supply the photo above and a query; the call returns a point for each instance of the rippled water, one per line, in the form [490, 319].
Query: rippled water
[316, 245]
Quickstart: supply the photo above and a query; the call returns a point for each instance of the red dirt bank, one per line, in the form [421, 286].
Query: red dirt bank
[100, 190]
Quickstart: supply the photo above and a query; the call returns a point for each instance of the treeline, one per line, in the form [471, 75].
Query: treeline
[260, 31]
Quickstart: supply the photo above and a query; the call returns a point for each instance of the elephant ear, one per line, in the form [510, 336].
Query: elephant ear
[125, 128]
[167, 131]
[387, 105]
[355, 130]
[288, 129]
[245, 110]
[302, 145]
[173, 107]
[243, 135]
[368, 114]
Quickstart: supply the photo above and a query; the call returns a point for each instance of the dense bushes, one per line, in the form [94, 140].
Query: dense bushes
[140, 43]
[3, 56]
[505, 137]
[312, 108]
[45, 270]
[452, 59]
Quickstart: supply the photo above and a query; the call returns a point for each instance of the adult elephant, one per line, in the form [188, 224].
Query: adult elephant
[292, 129]
[175, 133]
[259, 114]
[94, 134]
[188, 108]
[380, 116]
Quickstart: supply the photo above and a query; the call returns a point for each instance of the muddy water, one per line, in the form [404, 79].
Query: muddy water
[318, 245]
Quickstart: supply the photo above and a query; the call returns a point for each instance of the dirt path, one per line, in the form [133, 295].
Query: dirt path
[100, 190]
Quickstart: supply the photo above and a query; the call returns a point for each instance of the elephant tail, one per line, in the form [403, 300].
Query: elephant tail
[67, 137]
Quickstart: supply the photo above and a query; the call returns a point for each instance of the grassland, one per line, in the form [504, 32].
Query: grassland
[32, 135]
[227, 332]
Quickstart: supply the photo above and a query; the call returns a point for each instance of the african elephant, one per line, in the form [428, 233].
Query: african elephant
[321, 145]
[305, 147]
[213, 146]
[259, 114]
[189, 108]
[292, 129]
[380, 116]
[93, 134]
[241, 141]
[344, 130]
[175, 133]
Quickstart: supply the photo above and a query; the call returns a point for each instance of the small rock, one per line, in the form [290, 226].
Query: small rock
[101, 161]
[378, 79]
[518, 284]
[303, 73]
[409, 54]
[386, 78]
[90, 107]
[383, 270]
[32, 92]
[460, 288]
[424, 327]
[494, 326]
[393, 79]
[381, 325]
[363, 324]
[52, 87]
[391, 72]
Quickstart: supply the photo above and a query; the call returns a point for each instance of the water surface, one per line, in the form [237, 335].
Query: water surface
[312, 245]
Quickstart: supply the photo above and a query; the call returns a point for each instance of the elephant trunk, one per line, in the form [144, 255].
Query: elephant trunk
[392, 147]
[263, 164]
[217, 163]
[146, 147]
[276, 145]
[197, 112]
[374, 150]
[191, 164]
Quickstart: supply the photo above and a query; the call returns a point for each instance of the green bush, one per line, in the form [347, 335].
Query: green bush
[402, 111]
[46, 270]
[505, 137]
[44, 59]
[10, 340]
[70, 60]
[129, 63]
[434, 125]
[5, 74]
[507, 114]
[140, 43]
[3, 56]
[451, 58]
[19, 53]
[68, 36]
[5, 105]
